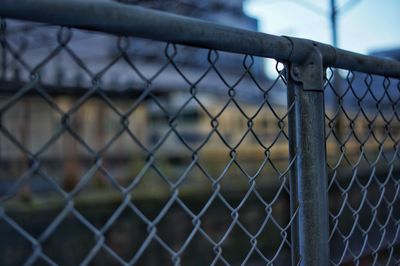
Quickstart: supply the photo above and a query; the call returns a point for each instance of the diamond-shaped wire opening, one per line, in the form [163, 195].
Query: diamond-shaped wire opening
[255, 212]
[277, 220]
[193, 125]
[176, 228]
[174, 167]
[151, 195]
[214, 156]
[118, 69]
[99, 189]
[35, 205]
[95, 118]
[162, 77]
[86, 204]
[234, 184]
[277, 160]
[197, 191]
[126, 235]
[146, 59]
[211, 90]
[266, 123]
[18, 120]
[65, 235]
[199, 248]
[67, 161]
[271, 178]
[272, 244]
[250, 156]
[211, 226]
[236, 245]
[232, 125]
[77, 78]
[11, 239]
[124, 160]
[190, 63]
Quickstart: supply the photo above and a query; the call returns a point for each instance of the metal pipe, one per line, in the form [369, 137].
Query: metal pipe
[129, 20]
[294, 204]
[309, 176]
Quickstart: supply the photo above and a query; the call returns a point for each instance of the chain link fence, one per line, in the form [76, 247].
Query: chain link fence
[362, 132]
[119, 150]
[183, 156]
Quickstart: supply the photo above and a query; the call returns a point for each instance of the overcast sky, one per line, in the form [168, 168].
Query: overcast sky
[366, 26]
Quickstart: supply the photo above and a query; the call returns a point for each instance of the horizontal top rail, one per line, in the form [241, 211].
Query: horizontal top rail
[129, 20]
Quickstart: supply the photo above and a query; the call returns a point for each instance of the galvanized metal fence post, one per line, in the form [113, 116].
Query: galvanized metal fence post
[307, 146]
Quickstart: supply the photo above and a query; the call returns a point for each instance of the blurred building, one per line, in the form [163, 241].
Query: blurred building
[222, 12]
[388, 53]
[126, 97]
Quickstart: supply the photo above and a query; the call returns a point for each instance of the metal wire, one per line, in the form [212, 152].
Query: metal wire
[362, 137]
[144, 152]
[96, 158]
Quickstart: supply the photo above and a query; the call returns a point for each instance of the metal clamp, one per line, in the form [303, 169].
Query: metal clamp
[310, 73]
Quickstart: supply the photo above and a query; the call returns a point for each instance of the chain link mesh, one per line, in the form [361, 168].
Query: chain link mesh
[124, 151]
[117, 150]
[362, 136]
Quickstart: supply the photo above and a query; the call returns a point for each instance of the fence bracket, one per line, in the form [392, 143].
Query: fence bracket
[309, 73]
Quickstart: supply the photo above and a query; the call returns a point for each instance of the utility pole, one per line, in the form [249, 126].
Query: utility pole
[333, 17]
[335, 78]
